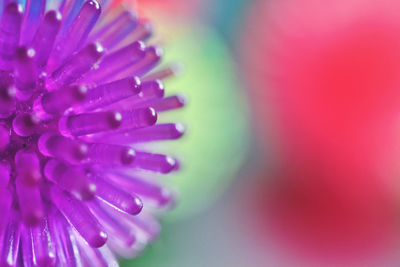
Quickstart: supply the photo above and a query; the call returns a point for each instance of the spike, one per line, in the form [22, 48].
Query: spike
[10, 27]
[89, 123]
[75, 67]
[80, 217]
[45, 36]
[70, 178]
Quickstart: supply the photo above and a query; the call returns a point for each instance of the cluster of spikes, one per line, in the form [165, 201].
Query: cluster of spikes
[79, 96]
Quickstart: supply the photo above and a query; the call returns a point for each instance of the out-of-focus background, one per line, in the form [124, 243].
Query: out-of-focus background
[292, 148]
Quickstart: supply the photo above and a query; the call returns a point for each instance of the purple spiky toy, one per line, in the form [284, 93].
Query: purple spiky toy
[78, 95]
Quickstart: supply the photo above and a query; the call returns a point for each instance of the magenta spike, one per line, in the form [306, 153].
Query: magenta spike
[89, 123]
[10, 27]
[28, 168]
[168, 131]
[164, 73]
[44, 38]
[101, 257]
[154, 162]
[5, 206]
[40, 241]
[11, 242]
[143, 31]
[7, 101]
[112, 92]
[151, 58]
[76, 33]
[60, 147]
[156, 194]
[80, 217]
[107, 26]
[25, 72]
[113, 155]
[117, 197]
[43, 246]
[114, 226]
[65, 241]
[33, 15]
[26, 247]
[165, 104]
[75, 67]
[30, 203]
[26, 124]
[70, 178]
[150, 90]
[4, 137]
[4, 174]
[117, 61]
[144, 223]
[58, 101]
[124, 24]
[70, 10]
[138, 118]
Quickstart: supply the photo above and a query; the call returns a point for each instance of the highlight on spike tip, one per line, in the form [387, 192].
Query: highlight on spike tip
[78, 95]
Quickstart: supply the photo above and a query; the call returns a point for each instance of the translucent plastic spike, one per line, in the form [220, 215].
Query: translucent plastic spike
[165, 104]
[4, 138]
[25, 72]
[30, 203]
[142, 32]
[107, 154]
[33, 15]
[65, 242]
[7, 101]
[57, 102]
[138, 118]
[152, 57]
[45, 36]
[37, 242]
[26, 247]
[106, 94]
[70, 9]
[97, 257]
[118, 29]
[26, 124]
[60, 147]
[168, 131]
[89, 123]
[70, 178]
[150, 90]
[28, 168]
[75, 67]
[12, 233]
[156, 194]
[164, 73]
[145, 225]
[76, 33]
[80, 217]
[154, 162]
[118, 230]
[10, 27]
[117, 61]
[5, 207]
[117, 197]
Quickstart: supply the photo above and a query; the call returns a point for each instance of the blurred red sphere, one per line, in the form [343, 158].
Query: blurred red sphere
[325, 75]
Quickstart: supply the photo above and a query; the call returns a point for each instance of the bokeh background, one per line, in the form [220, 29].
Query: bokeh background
[291, 151]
